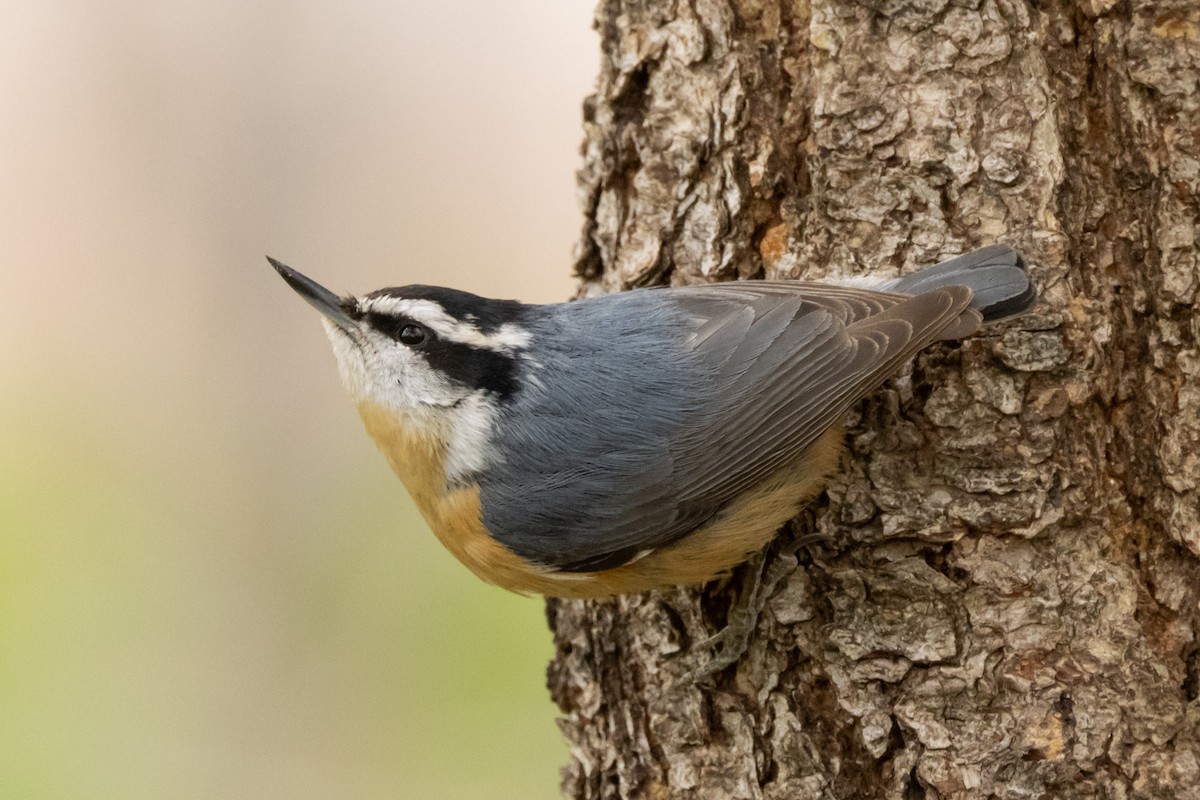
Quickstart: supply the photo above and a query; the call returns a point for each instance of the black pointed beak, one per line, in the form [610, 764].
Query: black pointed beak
[320, 298]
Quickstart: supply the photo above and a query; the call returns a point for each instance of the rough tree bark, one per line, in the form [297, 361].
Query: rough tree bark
[1006, 605]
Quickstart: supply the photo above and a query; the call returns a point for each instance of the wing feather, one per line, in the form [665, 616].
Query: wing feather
[758, 371]
[790, 359]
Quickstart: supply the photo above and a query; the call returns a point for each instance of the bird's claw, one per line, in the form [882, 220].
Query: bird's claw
[730, 643]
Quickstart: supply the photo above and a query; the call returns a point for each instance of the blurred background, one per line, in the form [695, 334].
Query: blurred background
[211, 586]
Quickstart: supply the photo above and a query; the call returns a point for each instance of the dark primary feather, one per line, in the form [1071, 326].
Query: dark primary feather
[685, 399]
[995, 274]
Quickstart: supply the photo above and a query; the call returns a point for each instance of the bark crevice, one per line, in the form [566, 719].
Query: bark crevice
[1005, 600]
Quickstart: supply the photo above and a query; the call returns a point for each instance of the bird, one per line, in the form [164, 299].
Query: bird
[639, 440]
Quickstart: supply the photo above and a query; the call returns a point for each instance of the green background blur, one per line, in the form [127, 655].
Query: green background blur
[211, 586]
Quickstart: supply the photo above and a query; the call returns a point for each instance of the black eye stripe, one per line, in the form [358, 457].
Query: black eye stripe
[473, 367]
[466, 365]
[397, 327]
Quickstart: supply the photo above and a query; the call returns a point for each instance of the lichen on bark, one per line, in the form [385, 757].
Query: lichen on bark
[1005, 601]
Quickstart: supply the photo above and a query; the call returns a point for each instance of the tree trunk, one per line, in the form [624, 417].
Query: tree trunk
[1006, 604]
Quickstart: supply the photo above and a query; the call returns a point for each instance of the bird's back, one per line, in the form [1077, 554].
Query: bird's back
[645, 414]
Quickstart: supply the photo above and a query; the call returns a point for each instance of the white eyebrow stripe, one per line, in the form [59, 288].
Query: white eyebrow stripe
[507, 338]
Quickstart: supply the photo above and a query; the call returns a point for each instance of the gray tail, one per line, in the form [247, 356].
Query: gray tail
[995, 274]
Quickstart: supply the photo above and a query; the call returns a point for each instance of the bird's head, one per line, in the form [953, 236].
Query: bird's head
[424, 350]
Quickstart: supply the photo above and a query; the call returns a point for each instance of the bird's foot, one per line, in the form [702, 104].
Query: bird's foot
[764, 574]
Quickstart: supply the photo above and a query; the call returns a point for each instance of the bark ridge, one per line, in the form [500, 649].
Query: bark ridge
[1007, 602]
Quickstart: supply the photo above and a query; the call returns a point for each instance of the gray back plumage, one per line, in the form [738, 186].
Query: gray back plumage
[642, 415]
[587, 439]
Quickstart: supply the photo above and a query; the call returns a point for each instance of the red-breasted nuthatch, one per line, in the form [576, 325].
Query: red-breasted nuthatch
[640, 440]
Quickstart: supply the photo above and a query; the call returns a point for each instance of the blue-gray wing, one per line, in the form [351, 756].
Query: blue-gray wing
[837, 345]
[693, 396]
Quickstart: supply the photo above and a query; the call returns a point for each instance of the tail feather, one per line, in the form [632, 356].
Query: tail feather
[996, 275]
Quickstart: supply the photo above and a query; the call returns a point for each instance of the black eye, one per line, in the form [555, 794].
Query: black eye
[411, 335]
